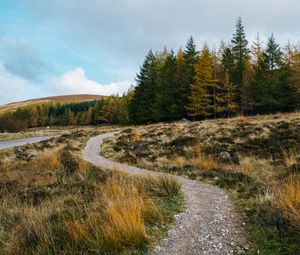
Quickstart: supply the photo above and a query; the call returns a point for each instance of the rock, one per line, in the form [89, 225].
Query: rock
[21, 154]
[18, 150]
[184, 120]
[140, 146]
[24, 156]
[224, 155]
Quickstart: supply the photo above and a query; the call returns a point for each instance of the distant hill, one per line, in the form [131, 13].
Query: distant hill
[55, 99]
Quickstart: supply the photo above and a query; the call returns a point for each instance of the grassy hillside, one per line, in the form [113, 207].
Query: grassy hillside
[55, 99]
[256, 159]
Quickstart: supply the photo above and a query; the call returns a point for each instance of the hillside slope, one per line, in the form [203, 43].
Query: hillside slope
[55, 99]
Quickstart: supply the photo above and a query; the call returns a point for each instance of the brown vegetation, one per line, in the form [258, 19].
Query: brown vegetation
[256, 159]
[58, 204]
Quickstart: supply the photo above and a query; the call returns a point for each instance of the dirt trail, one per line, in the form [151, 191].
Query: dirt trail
[209, 225]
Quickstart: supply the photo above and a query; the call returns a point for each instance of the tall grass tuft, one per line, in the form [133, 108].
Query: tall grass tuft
[287, 199]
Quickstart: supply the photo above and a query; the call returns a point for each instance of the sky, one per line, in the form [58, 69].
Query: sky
[57, 47]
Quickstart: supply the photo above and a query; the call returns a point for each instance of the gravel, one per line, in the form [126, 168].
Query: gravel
[209, 225]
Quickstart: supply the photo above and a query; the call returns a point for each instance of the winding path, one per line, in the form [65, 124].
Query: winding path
[209, 225]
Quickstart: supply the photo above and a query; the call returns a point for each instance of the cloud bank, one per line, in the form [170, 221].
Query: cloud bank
[15, 88]
[76, 82]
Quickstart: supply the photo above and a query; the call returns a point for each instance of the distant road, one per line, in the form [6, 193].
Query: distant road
[18, 142]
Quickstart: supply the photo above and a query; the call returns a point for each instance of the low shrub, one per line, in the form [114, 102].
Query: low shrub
[68, 162]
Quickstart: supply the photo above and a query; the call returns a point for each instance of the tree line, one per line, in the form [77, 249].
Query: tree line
[111, 110]
[234, 79]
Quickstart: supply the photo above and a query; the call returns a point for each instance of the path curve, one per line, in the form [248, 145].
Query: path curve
[209, 225]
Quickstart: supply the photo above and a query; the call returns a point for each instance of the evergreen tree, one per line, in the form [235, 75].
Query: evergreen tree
[190, 57]
[166, 90]
[273, 55]
[227, 62]
[240, 55]
[179, 97]
[272, 90]
[141, 105]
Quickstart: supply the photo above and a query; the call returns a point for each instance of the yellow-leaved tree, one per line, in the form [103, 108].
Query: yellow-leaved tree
[201, 97]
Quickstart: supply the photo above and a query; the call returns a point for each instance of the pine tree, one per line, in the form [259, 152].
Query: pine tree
[240, 55]
[272, 90]
[166, 88]
[190, 57]
[179, 97]
[227, 62]
[201, 104]
[141, 105]
[273, 54]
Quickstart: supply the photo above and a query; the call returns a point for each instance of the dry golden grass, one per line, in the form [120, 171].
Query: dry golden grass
[88, 211]
[205, 162]
[201, 162]
[287, 199]
[136, 137]
[291, 158]
[261, 169]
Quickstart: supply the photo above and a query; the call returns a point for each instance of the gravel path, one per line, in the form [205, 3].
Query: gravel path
[209, 225]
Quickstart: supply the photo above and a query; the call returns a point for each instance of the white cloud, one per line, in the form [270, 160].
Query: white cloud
[14, 88]
[76, 82]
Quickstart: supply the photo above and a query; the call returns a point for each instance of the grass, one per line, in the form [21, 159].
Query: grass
[59, 204]
[256, 159]
[287, 199]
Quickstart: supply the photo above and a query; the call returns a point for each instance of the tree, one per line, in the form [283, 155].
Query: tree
[292, 59]
[272, 90]
[190, 57]
[227, 62]
[70, 118]
[273, 55]
[246, 92]
[166, 90]
[240, 55]
[141, 105]
[230, 106]
[200, 105]
[178, 108]
[257, 50]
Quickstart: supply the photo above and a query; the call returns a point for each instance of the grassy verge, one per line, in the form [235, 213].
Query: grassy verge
[58, 204]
